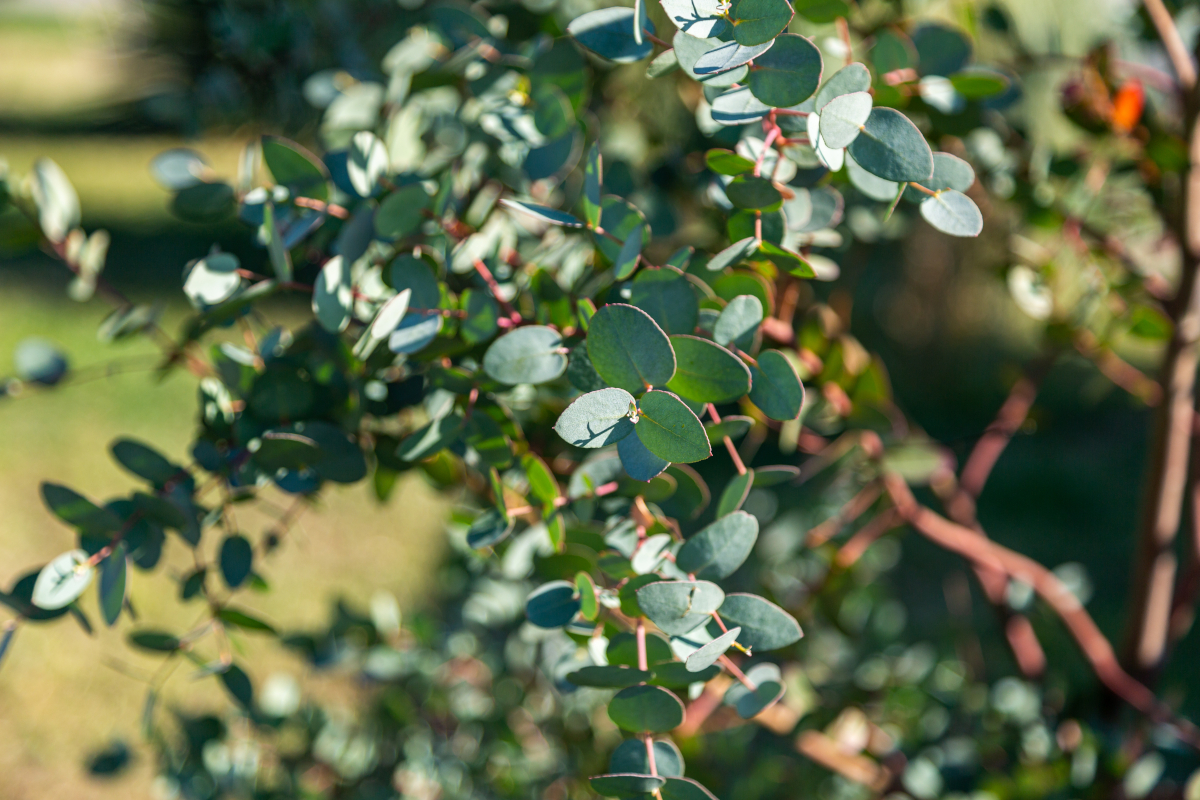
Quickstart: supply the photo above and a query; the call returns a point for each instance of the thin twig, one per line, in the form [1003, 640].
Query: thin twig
[1096, 649]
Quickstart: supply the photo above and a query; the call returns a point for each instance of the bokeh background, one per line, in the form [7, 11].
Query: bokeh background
[101, 86]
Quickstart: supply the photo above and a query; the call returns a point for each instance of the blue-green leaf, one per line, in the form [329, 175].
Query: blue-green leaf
[843, 117]
[628, 349]
[776, 388]
[950, 172]
[706, 372]
[891, 147]
[679, 607]
[850, 78]
[765, 626]
[608, 677]
[668, 297]
[953, 213]
[597, 418]
[608, 32]
[235, 558]
[670, 430]
[702, 19]
[723, 57]
[646, 709]
[112, 584]
[739, 321]
[639, 463]
[552, 604]
[625, 785]
[738, 107]
[716, 551]
[759, 21]
[735, 493]
[788, 73]
[533, 354]
[709, 653]
[62, 580]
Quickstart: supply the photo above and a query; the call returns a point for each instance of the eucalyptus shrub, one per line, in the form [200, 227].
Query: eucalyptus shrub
[492, 309]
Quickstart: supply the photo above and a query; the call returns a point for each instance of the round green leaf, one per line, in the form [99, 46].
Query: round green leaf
[679, 607]
[850, 78]
[668, 297]
[872, 186]
[953, 213]
[708, 654]
[759, 21]
[628, 349]
[788, 73]
[610, 677]
[977, 82]
[401, 212]
[735, 493]
[706, 372]
[552, 605]
[941, 50]
[702, 19]
[412, 273]
[843, 118]
[544, 213]
[717, 550]
[597, 418]
[768, 689]
[776, 388]
[639, 463]
[236, 557]
[950, 172]
[765, 626]
[738, 107]
[533, 354]
[891, 147]
[296, 168]
[625, 785]
[631, 757]
[62, 580]
[739, 322]
[676, 674]
[670, 430]
[646, 709]
[689, 51]
[747, 191]
[721, 57]
[608, 32]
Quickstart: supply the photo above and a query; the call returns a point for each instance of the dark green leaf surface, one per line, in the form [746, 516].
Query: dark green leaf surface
[296, 168]
[552, 605]
[624, 785]
[759, 21]
[668, 297]
[670, 430]
[628, 348]
[639, 463]
[630, 757]
[679, 607]
[235, 558]
[705, 372]
[765, 626]
[533, 354]
[608, 32]
[776, 388]
[646, 709]
[597, 418]
[891, 147]
[787, 74]
[716, 551]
